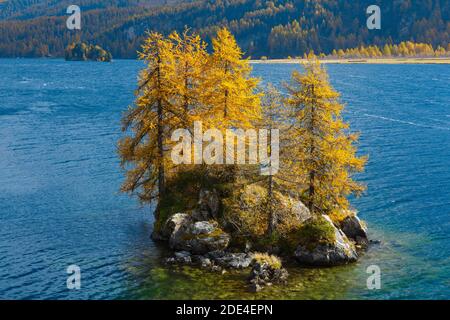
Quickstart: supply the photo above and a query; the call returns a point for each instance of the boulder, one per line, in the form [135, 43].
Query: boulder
[339, 251]
[355, 229]
[202, 227]
[231, 260]
[298, 210]
[263, 274]
[203, 261]
[183, 257]
[174, 223]
[199, 237]
[248, 205]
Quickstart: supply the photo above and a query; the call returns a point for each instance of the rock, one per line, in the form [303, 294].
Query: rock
[174, 223]
[202, 227]
[263, 274]
[209, 202]
[355, 229]
[232, 260]
[340, 251]
[183, 257]
[300, 211]
[203, 261]
[170, 260]
[216, 268]
[254, 287]
[199, 237]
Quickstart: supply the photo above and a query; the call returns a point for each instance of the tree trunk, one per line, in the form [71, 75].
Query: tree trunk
[161, 176]
[311, 203]
[272, 221]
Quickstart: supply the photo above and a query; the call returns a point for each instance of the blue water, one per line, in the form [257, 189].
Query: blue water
[60, 205]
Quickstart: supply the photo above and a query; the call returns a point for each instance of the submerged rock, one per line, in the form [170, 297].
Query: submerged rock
[183, 257]
[336, 251]
[231, 260]
[265, 274]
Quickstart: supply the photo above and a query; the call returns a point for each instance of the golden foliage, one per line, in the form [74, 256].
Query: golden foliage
[273, 261]
[322, 153]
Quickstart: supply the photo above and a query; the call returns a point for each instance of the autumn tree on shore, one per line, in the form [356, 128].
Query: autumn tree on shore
[149, 122]
[181, 84]
[322, 150]
[274, 117]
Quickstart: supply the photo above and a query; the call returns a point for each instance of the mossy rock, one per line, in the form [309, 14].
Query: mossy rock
[315, 231]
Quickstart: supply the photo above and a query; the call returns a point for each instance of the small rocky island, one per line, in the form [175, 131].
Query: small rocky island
[86, 52]
[202, 236]
[292, 207]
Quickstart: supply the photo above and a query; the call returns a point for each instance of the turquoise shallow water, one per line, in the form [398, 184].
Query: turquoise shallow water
[60, 205]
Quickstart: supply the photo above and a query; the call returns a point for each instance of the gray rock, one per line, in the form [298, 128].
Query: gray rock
[291, 209]
[354, 229]
[202, 227]
[199, 237]
[232, 260]
[183, 257]
[170, 260]
[203, 261]
[263, 274]
[339, 252]
[176, 222]
[300, 211]
[216, 268]
[254, 287]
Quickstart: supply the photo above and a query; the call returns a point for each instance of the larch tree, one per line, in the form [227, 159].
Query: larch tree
[191, 57]
[149, 123]
[274, 116]
[322, 151]
[231, 97]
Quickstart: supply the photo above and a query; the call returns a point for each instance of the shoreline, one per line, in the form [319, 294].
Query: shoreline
[445, 60]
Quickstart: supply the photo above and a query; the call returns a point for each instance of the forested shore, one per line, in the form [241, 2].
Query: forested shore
[274, 29]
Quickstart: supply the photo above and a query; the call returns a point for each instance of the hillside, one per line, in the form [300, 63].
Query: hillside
[279, 28]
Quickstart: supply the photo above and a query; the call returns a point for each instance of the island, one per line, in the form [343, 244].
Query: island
[86, 52]
[220, 204]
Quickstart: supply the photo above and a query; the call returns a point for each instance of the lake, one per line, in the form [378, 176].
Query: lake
[60, 202]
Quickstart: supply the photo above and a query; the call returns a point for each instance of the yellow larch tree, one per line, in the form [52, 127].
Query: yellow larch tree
[149, 122]
[232, 94]
[188, 81]
[322, 151]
